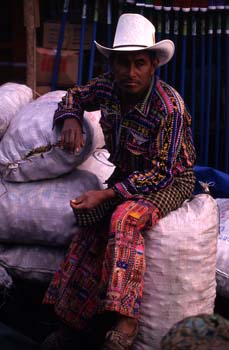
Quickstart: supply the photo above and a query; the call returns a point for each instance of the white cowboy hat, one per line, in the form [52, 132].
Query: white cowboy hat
[134, 32]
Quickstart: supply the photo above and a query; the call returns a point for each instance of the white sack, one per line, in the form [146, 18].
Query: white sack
[13, 97]
[180, 269]
[222, 263]
[92, 118]
[29, 150]
[99, 165]
[35, 262]
[39, 212]
[29, 263]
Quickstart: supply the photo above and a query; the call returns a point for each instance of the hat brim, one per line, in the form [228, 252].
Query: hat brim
[164, 50]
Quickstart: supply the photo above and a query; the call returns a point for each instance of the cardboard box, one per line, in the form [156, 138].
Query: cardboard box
[68, 68]
[41, 90]
[71, 39]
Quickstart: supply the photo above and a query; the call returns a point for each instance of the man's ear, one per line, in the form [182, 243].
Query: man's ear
[155, 63]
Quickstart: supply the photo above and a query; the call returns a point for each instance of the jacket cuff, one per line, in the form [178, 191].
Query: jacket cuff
[63, 116]
[124, 190]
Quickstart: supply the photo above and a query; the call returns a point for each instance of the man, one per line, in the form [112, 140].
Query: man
[147, 132]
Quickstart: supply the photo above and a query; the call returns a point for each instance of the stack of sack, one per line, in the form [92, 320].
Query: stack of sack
[37, 223]
[38, 179]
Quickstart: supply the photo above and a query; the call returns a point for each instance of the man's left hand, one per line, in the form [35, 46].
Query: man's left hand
[91, 199]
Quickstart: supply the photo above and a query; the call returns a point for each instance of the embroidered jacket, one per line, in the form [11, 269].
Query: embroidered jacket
[149, 144]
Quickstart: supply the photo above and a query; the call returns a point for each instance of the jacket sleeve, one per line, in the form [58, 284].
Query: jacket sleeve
[76, 101]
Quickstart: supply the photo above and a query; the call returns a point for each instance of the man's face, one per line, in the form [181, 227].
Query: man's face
[133, 72]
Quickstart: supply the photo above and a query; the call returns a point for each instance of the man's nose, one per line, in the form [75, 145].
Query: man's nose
[131, 69]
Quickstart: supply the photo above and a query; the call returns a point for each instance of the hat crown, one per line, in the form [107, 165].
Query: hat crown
[134, 30]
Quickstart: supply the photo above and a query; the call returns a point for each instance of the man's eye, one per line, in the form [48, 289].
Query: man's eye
[139, 64]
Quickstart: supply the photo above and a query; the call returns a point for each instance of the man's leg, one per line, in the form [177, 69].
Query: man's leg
[75, 287]
[124, 262]
[123, 270]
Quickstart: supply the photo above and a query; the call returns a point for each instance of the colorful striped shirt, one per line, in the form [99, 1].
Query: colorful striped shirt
[149, 144]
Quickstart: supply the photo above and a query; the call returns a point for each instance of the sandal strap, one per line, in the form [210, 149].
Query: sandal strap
[116, 340]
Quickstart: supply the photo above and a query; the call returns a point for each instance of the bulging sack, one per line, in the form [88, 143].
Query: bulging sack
[98, 163]
[30, 149]
[222, 265]
[39, 212]
[180, 269]
[13, 97]
[35, 263]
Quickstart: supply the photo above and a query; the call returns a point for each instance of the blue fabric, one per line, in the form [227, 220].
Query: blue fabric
[218, 181]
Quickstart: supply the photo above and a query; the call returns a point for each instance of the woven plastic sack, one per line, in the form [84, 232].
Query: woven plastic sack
[222, 263]
[92, 117]
[28, 263]
[98, 137]
[30, 149]
[99, 165]
[180, 269]
[39, 213]
[33, 262]
[13, 97]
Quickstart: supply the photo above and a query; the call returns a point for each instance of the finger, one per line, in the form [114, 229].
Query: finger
[78, 143]
[82, 141]
[74, 140]
[80, 206]
[67, 139]
[73, 205]
[76, 147]
[76, 200]
[62, 140]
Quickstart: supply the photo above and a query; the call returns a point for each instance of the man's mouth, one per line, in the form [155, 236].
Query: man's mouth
[130, 83]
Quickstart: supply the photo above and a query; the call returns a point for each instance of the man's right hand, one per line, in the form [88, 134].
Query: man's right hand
[72, 136]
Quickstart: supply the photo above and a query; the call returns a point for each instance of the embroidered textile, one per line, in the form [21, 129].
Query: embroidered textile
[103, 268]
[151, 143]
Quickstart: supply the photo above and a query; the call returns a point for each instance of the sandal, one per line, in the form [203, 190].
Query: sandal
[116, 340]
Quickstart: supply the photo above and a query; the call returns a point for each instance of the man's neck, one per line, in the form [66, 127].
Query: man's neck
[129, 101]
